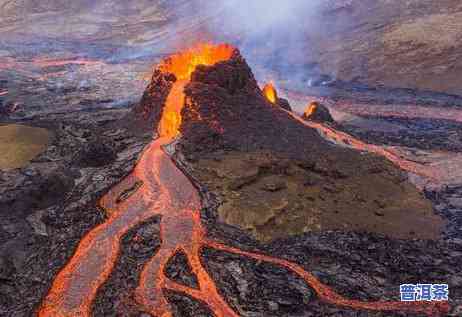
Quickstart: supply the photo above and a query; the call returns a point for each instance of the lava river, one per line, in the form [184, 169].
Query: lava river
[166, 191]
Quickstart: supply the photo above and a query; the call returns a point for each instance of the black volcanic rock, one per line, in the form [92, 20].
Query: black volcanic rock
[230, 129]
[235, 115]
[317, 112]
[97, 152]
[147, 113]
[284, 104]
[6, 108]
[48, 205]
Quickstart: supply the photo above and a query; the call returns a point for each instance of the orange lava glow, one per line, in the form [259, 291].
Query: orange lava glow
[270, 92]
[166, 191]
[345, 139]
[182, 65]
[438, 173]
[327, 295]
[171, 118]
[310, 109]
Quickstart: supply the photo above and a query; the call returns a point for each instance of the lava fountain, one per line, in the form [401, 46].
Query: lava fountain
[270, 92]
[310, 109]
[182, 66]
[166, 191]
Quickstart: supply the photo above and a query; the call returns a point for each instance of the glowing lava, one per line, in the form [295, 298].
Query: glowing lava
[171, 119]
[166, 191]
[182, 66]
[345, 139]
[310, 109]
[184, 63]
[270, 92]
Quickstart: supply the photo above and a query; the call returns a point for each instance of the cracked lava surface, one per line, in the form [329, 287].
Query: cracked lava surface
[166, 191]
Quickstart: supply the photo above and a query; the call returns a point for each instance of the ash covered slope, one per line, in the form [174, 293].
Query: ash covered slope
[275, 176]
[407, 44]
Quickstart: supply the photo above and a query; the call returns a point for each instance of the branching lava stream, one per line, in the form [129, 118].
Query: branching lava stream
[166, 191]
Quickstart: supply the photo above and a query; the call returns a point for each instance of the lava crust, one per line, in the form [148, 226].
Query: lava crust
[208, 110]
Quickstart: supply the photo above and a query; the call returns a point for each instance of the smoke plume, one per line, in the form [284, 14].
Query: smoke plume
[272, 34]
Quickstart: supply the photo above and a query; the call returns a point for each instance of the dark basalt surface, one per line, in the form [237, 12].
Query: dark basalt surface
[357, 265]
[47, 206]
[235, 117]
[250, 153]
[96, 152]
[184, 306]
[319, 113]
[260, 289]
[179, 270]
[116, 297]
[147, 113]
[424, 134]
[37, 236]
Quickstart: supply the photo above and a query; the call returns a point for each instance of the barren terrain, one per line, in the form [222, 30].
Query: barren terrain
[389, 71]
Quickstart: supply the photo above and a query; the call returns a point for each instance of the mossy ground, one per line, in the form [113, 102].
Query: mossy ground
[19, 144]
[275, 197]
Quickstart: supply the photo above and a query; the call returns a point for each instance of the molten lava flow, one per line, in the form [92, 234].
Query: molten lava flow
[270, 92]
[345, 139]
[171, 118]
[166, 191]
[326, 294]
[436, 174]
[182, 65]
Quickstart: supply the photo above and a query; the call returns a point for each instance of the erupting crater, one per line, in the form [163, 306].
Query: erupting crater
[182, 66]
[168, 192]
[270, 92]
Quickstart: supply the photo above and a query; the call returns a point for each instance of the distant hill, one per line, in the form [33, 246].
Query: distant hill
[408, 44]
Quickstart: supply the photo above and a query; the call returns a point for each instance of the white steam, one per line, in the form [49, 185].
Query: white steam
[271, 34]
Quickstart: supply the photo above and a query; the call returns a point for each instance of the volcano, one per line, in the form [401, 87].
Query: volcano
[221, 152]
[225, 115]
